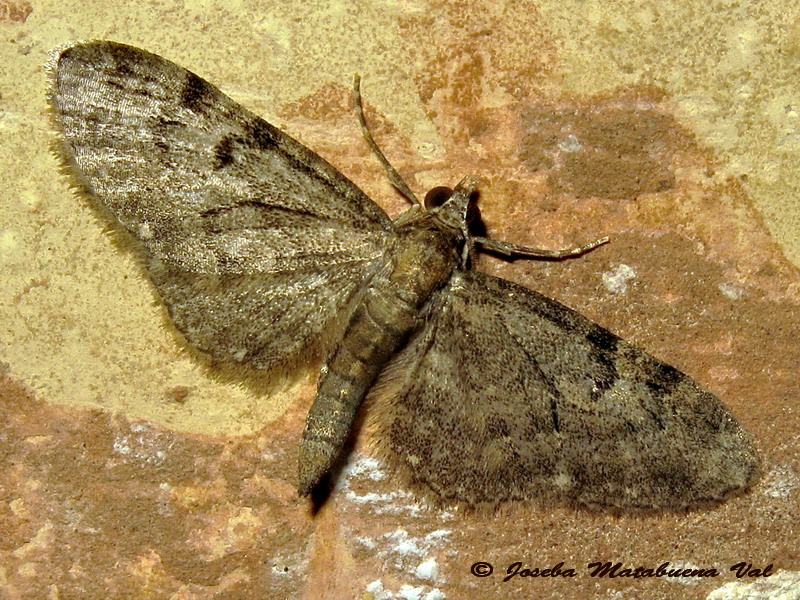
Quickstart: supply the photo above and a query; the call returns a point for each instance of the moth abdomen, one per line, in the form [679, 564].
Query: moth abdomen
[386, 315]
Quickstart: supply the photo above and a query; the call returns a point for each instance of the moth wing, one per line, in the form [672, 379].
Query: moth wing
[254, 241]
[506, 394]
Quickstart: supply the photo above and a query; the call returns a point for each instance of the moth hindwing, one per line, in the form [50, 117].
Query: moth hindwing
[265, 254]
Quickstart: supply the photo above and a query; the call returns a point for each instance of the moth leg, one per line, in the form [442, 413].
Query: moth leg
[507, 249]
[468, 251]
[394, 176]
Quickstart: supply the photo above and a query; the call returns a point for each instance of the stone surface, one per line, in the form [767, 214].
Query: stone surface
[129, 471]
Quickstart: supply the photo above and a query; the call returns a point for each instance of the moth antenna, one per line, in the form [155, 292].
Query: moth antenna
[394, 176]
[511, 250]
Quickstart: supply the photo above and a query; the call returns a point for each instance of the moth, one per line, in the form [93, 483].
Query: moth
[265, 255]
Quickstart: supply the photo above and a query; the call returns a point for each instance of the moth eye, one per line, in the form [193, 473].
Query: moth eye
[437, 196]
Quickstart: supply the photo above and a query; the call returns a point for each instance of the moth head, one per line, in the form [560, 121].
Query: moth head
[455, 208]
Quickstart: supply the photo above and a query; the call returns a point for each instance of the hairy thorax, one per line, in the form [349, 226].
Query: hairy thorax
[424, 260]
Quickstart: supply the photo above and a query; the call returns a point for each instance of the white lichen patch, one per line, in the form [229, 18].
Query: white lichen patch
[409, 592]
[731, 291]
[427, 570]
[367, 469]
[143, 444]
[616, 280]
[363, 466]
[781, 586]
[409, 552]
[570, 144]
[376, 591]
[780, 482]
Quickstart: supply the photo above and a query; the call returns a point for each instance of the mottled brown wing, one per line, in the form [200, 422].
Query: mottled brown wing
[508, 395]
[255, 242]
